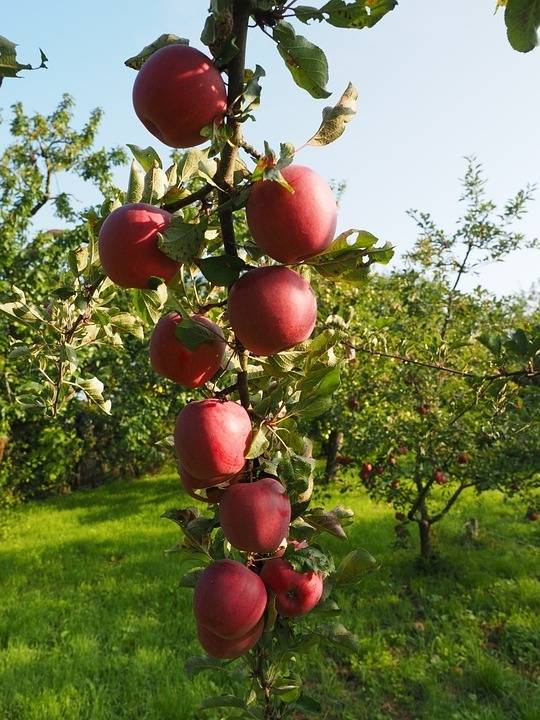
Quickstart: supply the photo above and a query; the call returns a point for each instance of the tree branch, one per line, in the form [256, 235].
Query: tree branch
[189, 199]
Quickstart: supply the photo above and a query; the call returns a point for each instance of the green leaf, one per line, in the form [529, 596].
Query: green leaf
[222, 701]
[308, 705]
[357, 14]
[252, 90]
[259, 444]
[311, 407]
[137, 61]
[136, 183]
[183, 241]
[337, 635]
[195, 162]
[9, 65]
[129, 323]
[522, 18]
[147, 304]
[93, 388]
[222, 269]
[319, 383]
[328, 521]
[192, 333]
[350, 262]
[295, 472]
[156, 184]
[335, 118]
[310, 559]
[492, 341]
[305, 13]
[18, 351]
[195, 665]
[64, 293]
[189, 579]
[354, 567]
[146, 157]
[306, 62]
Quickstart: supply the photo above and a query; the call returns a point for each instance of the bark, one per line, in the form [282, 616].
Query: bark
[333, 446]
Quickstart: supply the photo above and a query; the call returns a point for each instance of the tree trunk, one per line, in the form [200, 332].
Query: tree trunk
[333, 446]
[426, 548]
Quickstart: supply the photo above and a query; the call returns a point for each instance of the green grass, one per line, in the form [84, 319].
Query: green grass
[93, 625]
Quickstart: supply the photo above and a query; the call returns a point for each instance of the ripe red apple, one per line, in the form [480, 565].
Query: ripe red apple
[439, 477]
[272, 309]
[255, 516]
[128, 246]
[532, 515]
[463, 458]
[177, 92]
[229, 599]
[378, 469]
[171, 359]
[211, 438]
[226, 649]
[208, 493]
[296, 592]
[290, 227]
[403, 449]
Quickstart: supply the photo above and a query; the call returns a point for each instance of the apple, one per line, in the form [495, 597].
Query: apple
[532, 515]
[229, 599]
[227, 649]
[463, 458]
[296, 592]
[439, 477]
[292, 226]
[211, 438]
[171, 359]
[177, 92]
[128, 246]
[255, 516]
[208, 493]
[272, 309]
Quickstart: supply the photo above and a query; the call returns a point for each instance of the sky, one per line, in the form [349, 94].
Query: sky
[437, 81]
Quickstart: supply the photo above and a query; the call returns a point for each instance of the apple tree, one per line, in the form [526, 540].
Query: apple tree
[233, 318]
[441, 393]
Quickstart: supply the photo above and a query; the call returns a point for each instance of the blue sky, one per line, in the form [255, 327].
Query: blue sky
[437, 81]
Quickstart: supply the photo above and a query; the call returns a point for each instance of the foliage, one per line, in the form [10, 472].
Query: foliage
[9, 65]
[441, 393]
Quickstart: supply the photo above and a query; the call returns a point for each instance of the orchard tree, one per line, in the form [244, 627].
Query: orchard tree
[441, 394]
[235, 319]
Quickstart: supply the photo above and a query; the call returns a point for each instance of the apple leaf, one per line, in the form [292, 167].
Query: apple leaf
[146, 157]
[93, 389]
[147, 304]
[335, 118]
[295, 472]
[189, 579]
[350, 262]
[9, 65]
[310, 407]
[192, 333]
[357, 14]
[222, 701]
[183, 241]
[320, 383]
[307, 705]
[337, 635]
[222, 269]
[305, 13]
[137, 61]
[306, 62]
[354, 567]
[309, 559]
[259, 444]
[522, 19]
[330, 521]
[252, 91]
[195, 665]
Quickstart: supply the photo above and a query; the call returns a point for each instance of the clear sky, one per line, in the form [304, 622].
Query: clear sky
[437, 81]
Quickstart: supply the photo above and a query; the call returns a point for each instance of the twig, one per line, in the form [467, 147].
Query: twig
[200, 194]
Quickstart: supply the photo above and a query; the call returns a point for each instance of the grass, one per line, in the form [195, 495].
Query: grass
[93, 624]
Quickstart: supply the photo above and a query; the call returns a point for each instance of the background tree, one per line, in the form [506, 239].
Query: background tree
[426, 410]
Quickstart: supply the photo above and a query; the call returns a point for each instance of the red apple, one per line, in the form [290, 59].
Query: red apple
[128, 246]
[177, 92]
[171, 359]
[229, 599]
[211, 438]
[208, 494]
[463, 458]
[290, 227]
[439, 477]
[255, 516]
[226, 649]
[272, 309]
[296, 592]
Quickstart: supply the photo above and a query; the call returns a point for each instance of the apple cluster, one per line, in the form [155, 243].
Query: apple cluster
[271, 308]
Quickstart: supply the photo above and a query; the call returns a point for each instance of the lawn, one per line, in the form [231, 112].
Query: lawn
[94, 626]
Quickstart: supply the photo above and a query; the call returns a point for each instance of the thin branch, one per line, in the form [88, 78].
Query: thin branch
[200, 194]
[46, 196]
[252, 151]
